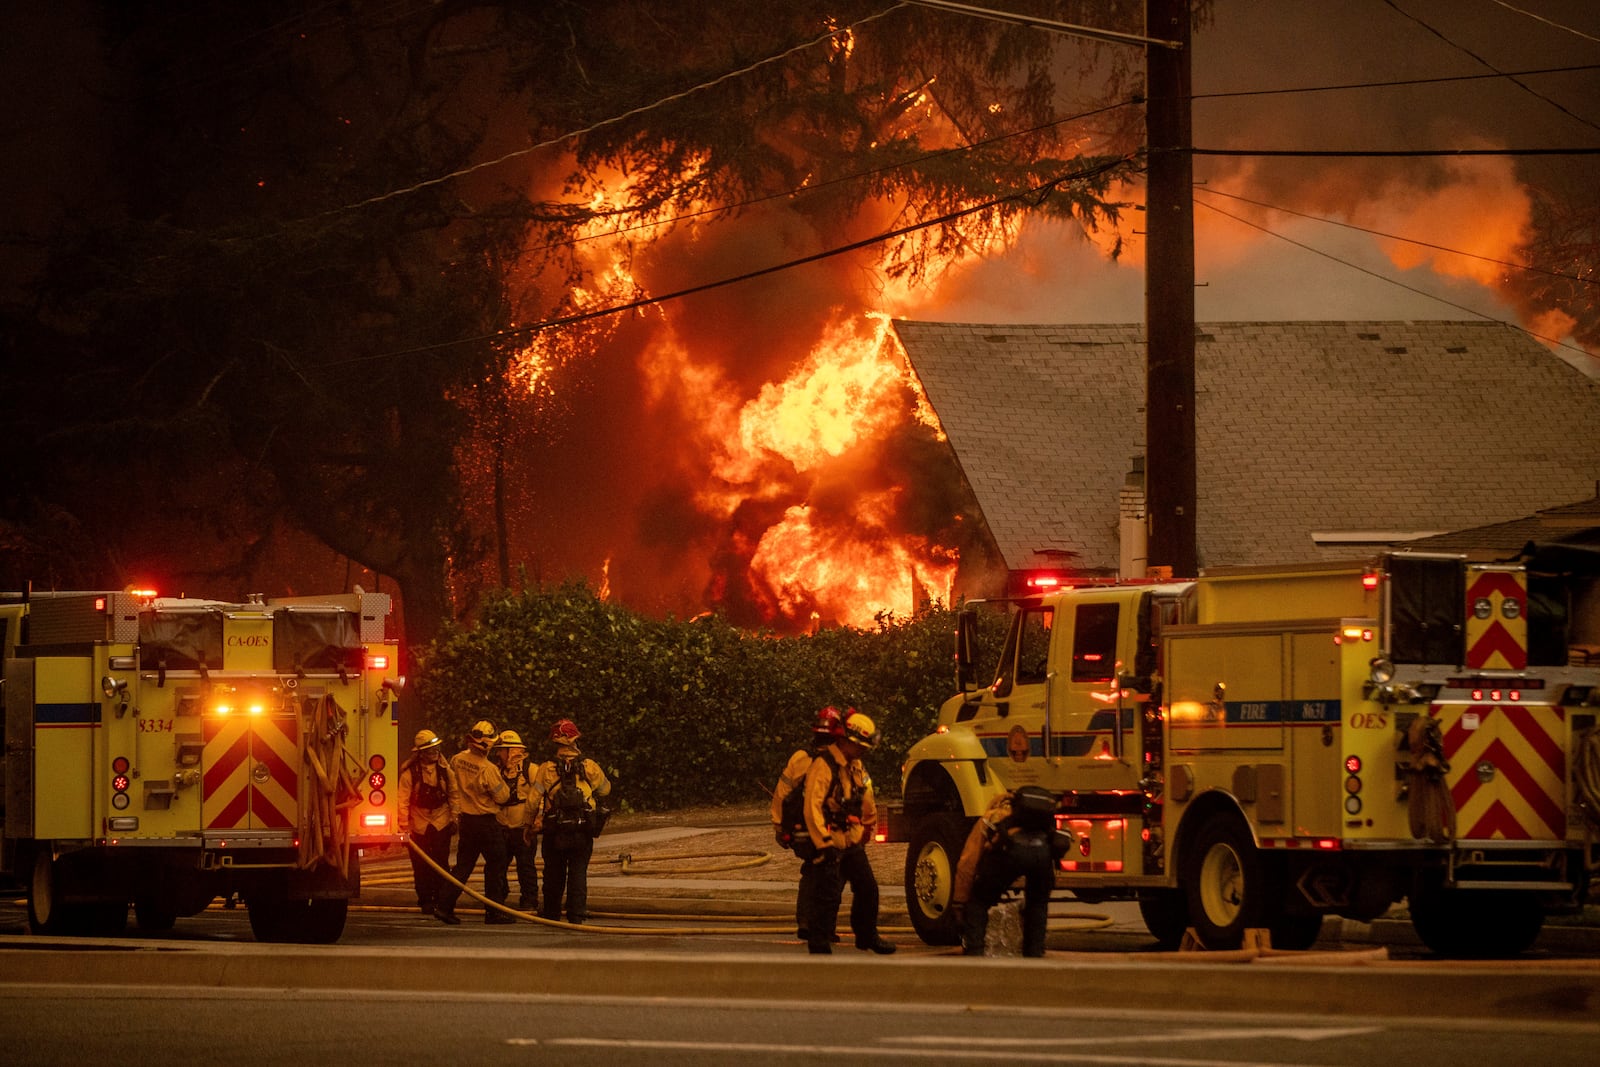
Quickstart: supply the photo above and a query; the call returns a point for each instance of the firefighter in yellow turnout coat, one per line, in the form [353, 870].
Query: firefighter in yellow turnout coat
[563, 810]
[483, 790]
[429, 807]
[840, 816]
[792, 835]
[1015, 838]
[511, 756]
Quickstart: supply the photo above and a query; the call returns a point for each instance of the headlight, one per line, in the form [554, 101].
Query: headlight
[1382, 671]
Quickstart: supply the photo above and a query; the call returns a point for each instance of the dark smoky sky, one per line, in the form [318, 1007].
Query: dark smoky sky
[1256, 45]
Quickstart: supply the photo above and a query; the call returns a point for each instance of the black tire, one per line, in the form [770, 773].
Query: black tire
[268, 916]
[1166, 916]
[1295, 932]
[1224, 882]
[1481, 924]
[931, 857]
[299, 921]
[47, 914]
[154, 917]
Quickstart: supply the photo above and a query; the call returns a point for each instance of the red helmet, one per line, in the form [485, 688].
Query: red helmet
[564, 732]
[830, 723]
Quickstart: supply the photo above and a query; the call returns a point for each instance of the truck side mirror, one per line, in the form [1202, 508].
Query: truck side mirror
[966, 625]
[1139, 683]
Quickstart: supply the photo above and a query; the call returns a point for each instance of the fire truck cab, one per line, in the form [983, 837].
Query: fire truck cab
[163, 752]
[1262, 747]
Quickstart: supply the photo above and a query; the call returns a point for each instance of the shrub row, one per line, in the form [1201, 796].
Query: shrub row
[682, 713]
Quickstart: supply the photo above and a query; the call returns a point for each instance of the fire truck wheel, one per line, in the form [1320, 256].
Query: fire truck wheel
[1225, 883]
[1166, 916]
[307, 922]
[1295, 932]
[930, 876]
[1478, 923]
[47, 912]
[153, 916]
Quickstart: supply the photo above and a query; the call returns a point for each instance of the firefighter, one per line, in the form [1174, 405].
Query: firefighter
[429, 808]
[788, 812]
[483, 790]
[840, 816]
[564, 811]
[511, 756]
[1015, 838]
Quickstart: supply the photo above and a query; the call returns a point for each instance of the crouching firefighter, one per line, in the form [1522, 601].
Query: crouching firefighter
[1015, 838]
[840, 816]
[789, 815]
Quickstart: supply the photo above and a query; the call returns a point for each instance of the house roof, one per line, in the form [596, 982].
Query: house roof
[1363, 429]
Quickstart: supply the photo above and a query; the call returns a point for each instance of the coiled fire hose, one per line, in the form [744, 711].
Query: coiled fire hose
[1429, 805]
[323, 820]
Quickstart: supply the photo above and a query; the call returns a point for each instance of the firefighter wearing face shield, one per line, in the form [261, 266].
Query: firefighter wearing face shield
[482, 790]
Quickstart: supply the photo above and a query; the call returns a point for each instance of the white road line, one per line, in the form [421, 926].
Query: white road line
[1128, 1039]
[858, 1052]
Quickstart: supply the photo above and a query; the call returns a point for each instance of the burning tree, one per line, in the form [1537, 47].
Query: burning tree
[335, 251]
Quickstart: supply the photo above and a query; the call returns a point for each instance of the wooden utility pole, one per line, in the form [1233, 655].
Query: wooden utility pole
[1169, 295]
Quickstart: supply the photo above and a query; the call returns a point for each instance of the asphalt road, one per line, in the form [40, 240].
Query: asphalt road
[131, 1025]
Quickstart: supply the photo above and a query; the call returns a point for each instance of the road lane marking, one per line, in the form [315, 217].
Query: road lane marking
[1323, 1034]
[856, 1052]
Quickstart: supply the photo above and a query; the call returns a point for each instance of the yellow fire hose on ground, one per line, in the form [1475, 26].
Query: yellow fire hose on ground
[1091, 922]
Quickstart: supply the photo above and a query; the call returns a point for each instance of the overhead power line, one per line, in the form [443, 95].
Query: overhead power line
[1373, 153]
[1397, 83]
[1547, 22]
[1530, 90]
[1558, 342]
[615, 119]
[1036, 193]
[1529, 268]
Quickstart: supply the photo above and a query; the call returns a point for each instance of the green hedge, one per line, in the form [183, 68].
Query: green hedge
[682, 713]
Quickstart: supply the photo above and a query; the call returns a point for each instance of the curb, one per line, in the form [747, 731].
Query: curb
[1359, 987]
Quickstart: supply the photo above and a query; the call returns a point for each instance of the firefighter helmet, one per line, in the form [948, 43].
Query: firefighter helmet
[860, 729]
[829, 724]
[510, 739]
[482, 733]
[564, 732]
[425, 740]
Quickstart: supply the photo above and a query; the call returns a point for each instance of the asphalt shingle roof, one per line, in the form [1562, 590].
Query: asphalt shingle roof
[1303, 427]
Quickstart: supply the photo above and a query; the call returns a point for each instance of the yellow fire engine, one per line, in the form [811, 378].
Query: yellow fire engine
[162, 752]
[1260, 748]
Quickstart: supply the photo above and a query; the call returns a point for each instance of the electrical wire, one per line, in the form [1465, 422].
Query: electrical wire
[1392, 281]
[1395, 153]
[1037, 193]
[1394, 83]
[1547, 22]
[1407, 240]
[1514, 81]
[615, 119]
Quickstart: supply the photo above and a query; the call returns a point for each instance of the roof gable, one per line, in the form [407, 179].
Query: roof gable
[1303, 427]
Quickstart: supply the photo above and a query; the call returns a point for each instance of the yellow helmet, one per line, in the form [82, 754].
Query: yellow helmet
[482, 733]
[425, 740]
[509, 739]
[860, 729]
